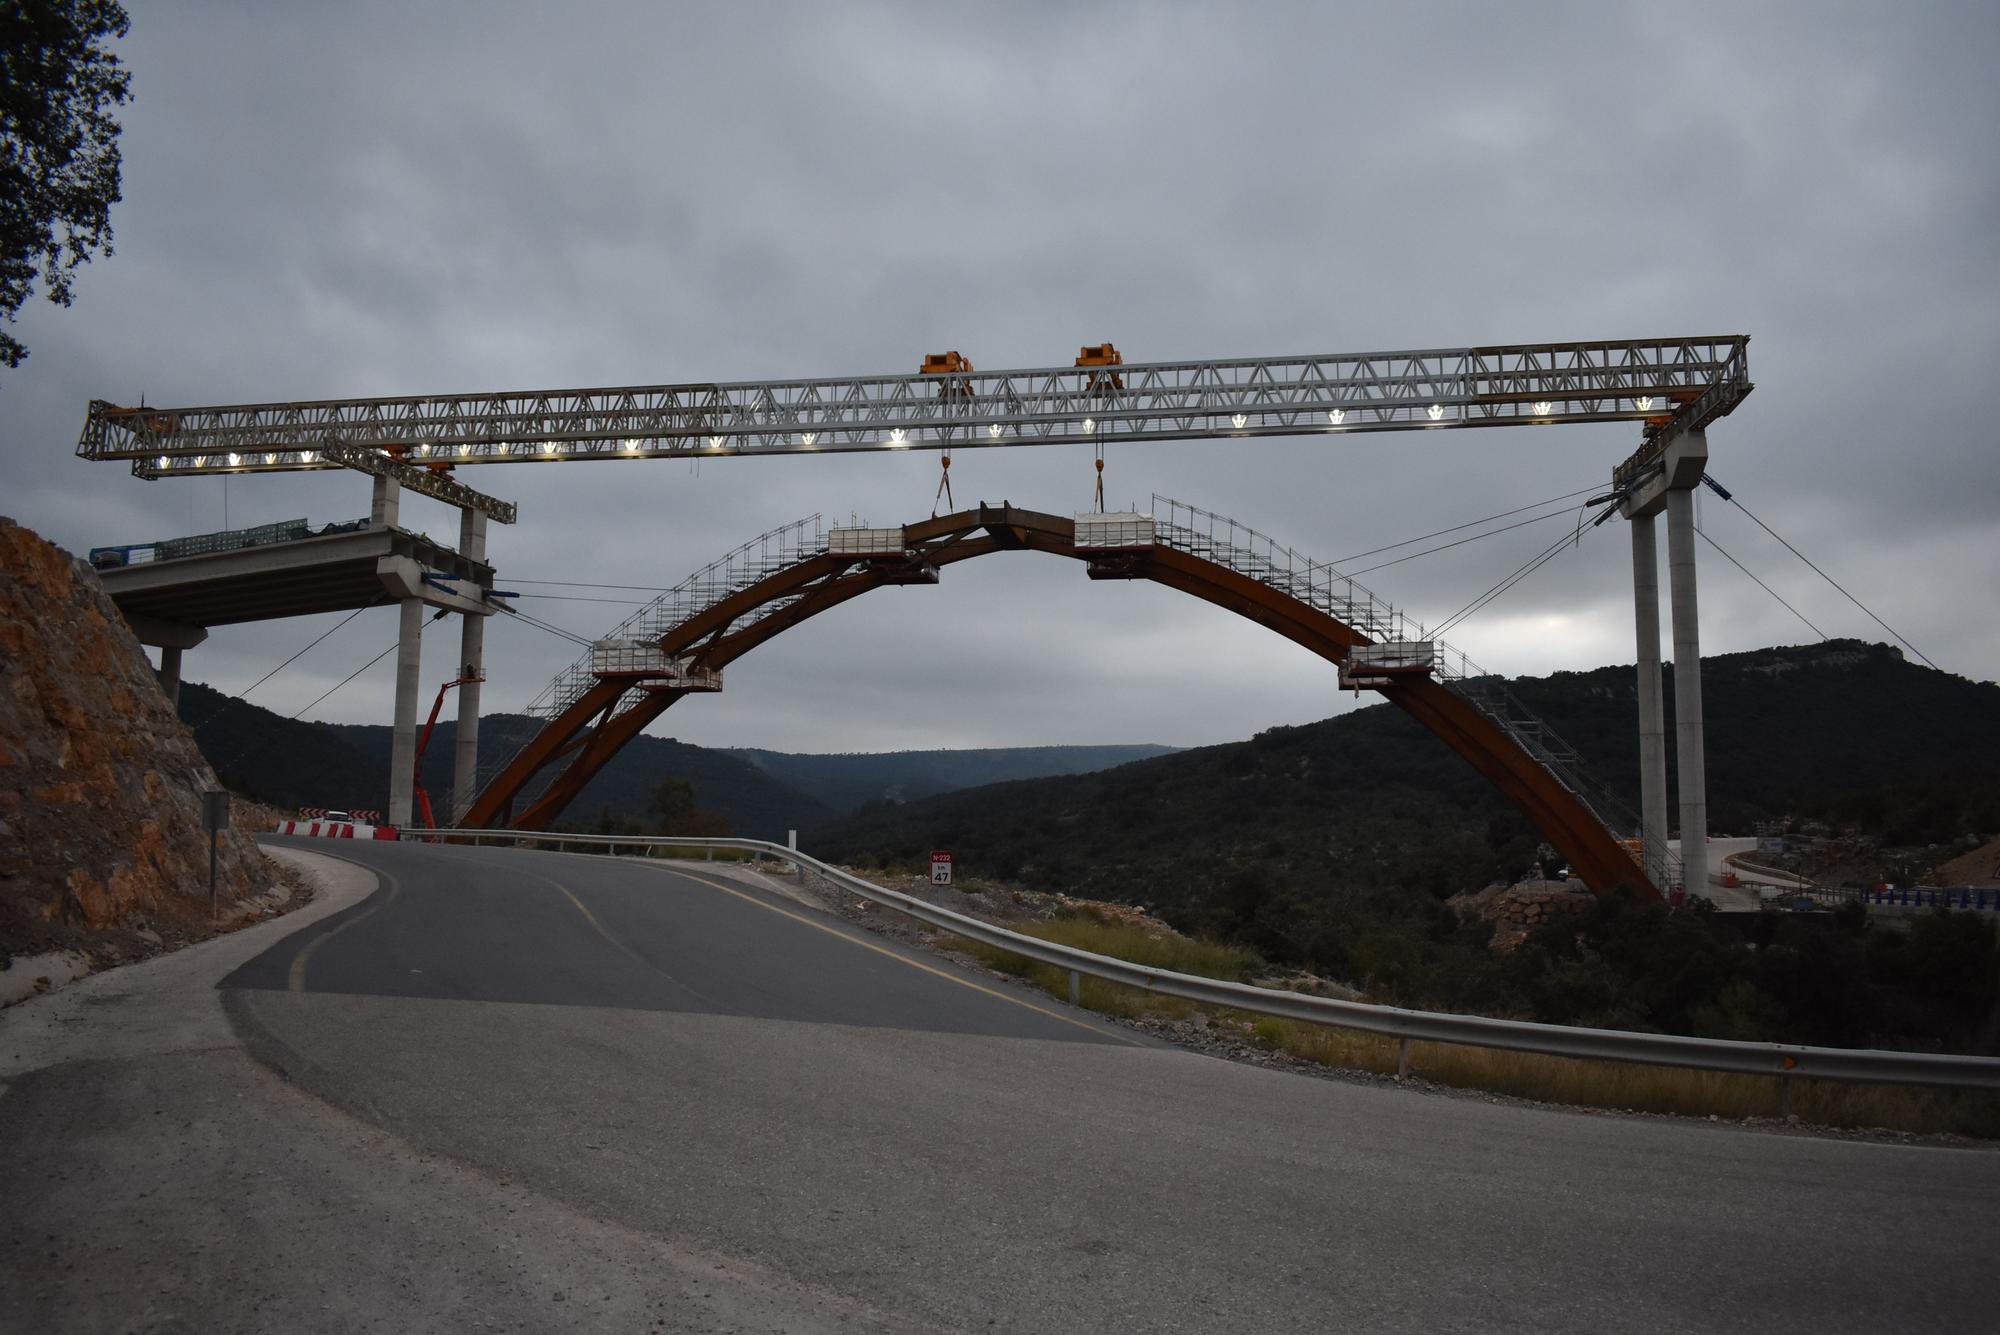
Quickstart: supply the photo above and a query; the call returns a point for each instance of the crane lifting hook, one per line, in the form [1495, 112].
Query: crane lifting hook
[944, 485]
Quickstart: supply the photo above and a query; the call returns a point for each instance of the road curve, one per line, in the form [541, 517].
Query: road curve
[689, 1058]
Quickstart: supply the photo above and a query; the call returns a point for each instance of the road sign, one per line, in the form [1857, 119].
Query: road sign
[940, 867]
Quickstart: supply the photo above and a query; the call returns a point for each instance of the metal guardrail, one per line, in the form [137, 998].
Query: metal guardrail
[1783, 1060]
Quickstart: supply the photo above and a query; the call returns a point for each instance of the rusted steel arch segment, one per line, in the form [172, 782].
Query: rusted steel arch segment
[1560, 815]
[490, 807]
[591, 750]
[824, 581]
[608, 739]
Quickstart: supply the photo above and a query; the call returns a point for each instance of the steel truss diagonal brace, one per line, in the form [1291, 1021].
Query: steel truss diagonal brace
[1540, 384]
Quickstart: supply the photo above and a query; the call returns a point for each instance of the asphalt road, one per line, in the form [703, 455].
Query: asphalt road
[851, 1135]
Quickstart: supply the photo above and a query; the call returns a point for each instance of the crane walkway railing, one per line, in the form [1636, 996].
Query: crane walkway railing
[758, 559]
[1785, 1061]
[727, 575]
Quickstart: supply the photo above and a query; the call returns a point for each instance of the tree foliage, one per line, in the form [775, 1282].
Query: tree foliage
[59, 160]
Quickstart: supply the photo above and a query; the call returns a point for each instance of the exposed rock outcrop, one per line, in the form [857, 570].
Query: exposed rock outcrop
[100, 784]
[1515, 910]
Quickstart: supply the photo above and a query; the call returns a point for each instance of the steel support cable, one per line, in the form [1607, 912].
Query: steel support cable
[578, 598]
[1760, 583]
[550, 627]
[437, 616]
[1534, 563]
[1719, 490]
[1460, 542]
[1455, 528]
[1487, 600]
[309, 648]
[265, 739]
[581, 584]
[216, 713]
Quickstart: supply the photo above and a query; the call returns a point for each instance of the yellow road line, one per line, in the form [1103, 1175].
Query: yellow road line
[296, 980]
[588, 916]
[900, 959]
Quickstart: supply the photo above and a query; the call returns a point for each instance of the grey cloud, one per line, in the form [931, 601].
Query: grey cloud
[326, 201]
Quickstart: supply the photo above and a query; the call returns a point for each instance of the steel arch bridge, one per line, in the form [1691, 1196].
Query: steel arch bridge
[679, 645]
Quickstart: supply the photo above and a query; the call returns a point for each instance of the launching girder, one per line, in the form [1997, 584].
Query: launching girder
[1678, 383]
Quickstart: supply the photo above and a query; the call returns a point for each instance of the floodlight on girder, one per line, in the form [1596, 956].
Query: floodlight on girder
[1667, 385]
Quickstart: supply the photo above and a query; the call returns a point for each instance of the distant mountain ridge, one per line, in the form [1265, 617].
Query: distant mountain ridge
[292, 763]
[1371, 803]
[845, 781]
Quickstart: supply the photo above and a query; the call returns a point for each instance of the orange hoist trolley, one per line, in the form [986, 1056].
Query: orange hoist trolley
[1101, 354]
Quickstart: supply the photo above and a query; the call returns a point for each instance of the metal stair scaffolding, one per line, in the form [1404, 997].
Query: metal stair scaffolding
[739, 569]
[1321, 586]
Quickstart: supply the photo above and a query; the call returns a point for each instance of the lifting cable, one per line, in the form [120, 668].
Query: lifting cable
[1100, 477]
[1721, 491]
[944, 485]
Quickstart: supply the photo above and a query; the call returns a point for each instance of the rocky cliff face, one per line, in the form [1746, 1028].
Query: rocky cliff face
[100, 784]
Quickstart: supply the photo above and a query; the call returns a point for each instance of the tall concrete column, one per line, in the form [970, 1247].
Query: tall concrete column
[472, 664]
[388, 500]
[1690, 763]
[1652, 710]
[403, 750]
[170, 674]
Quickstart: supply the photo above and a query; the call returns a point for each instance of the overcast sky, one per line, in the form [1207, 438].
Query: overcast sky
[373, 199]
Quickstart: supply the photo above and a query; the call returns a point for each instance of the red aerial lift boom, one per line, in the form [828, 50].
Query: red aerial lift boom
[423, 799]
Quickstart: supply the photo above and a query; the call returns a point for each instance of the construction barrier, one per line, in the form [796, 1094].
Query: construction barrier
[336, 829]
[1954, 897]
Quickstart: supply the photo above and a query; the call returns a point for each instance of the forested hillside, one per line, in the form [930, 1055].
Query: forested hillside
[290, 763]
[1303, 841]
[762, 794]
[1334, 845]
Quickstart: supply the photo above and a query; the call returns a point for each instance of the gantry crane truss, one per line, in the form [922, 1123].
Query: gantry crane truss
[1668, 384]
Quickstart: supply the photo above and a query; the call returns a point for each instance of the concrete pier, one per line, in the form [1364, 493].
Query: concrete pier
[1652, 708]
[472, 664]
[170, 674]
[1690, 762]
[386, 504]
[403, 751]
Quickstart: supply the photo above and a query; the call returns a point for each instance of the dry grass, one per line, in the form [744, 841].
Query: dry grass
[1120, 941]
[1591, 1084]
[1634, 1088]
[697, 854]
